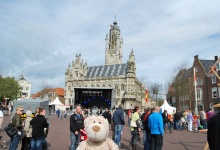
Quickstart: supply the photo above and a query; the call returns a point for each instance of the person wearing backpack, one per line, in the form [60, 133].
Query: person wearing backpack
[135, 127]
[28, 130]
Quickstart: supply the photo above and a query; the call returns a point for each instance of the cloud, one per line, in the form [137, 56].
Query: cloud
[39, 39]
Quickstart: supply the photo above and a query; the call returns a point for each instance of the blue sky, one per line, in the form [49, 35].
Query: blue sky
[39, 38]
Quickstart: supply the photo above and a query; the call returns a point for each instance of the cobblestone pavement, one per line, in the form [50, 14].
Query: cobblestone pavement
[59, 137]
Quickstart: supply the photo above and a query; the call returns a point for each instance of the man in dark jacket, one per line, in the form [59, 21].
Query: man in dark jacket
[76, 125]
[39, 123]
[107, 115]
[213, 134]
[177, 124]
[166, 121]
[119, 122]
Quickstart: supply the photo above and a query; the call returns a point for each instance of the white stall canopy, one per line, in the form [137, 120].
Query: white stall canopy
[167, 107]
[56, 102]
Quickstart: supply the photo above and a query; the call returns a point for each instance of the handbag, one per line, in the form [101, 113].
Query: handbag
[10, 130]
[133, 123]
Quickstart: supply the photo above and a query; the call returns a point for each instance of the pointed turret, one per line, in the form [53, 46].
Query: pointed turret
[131, 69]
[68, 70]
[131, 56]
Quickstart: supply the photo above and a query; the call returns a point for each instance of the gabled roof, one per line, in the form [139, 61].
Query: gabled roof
[107, 70]
[36, 95]
[60, 91]
[206, 64]
[187, 73]
[213, 67]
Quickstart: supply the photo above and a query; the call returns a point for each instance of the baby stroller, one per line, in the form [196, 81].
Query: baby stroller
[184, 123]
[2, 143]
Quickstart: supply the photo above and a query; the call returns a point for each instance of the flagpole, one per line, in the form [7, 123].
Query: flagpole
[195, 83]
[164, 96]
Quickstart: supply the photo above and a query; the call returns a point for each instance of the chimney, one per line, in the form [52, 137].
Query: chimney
[196, 57]
[216, 58]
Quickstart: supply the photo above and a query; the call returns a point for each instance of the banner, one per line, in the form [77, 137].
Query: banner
[146, 96]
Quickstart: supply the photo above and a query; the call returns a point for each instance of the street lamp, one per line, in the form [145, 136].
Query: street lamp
[155, 91]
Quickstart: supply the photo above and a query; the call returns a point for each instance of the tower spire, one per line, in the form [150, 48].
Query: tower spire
[115, 22]
[115, 16]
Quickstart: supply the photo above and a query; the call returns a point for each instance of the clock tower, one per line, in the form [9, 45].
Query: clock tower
[113, 45]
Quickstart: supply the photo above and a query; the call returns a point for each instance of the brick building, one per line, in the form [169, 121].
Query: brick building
[50, 94]
[181, 93]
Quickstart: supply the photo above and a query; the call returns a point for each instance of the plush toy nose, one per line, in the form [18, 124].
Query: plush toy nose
[96, 128]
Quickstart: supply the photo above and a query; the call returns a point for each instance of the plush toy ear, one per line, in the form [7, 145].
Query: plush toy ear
[87, 120]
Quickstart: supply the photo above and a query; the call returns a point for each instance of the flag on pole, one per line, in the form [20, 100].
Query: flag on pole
[146, 95]
[195, 83]
[195, 78]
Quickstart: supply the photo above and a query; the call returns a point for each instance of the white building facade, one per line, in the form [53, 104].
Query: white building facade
[114, 74]
[25, 91]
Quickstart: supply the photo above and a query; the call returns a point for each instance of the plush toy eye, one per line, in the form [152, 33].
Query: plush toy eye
[94, 122]
[99, 122]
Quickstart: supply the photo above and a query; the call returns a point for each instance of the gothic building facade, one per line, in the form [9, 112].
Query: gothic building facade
[114, 74]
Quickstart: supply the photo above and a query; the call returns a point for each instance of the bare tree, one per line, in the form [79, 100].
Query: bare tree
[45, 89]
[179, 84]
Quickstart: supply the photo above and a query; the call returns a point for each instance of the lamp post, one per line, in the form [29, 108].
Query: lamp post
[155, 91]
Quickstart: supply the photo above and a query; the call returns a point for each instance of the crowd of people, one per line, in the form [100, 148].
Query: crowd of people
[31, 132]
[152, 123]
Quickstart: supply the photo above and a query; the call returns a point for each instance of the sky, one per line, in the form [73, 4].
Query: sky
[38, 39]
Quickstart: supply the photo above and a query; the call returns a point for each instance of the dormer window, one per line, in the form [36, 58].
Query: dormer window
[218, 66]
[213, 79]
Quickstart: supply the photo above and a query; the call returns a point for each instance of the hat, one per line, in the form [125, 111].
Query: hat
[28, 113]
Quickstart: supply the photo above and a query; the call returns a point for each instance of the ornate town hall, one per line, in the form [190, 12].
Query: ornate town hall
[105, 85]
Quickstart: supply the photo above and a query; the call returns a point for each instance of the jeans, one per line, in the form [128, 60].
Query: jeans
[144, 136]
[37, 144]
[14, 141]
[204, 124]
[147, 141]
[168, 125]
[178, 124]
[129, 121]
[118, 130]
[156, 141]
[74, 140]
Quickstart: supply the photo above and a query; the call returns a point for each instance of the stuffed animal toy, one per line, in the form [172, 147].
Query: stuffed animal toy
[97, 130]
